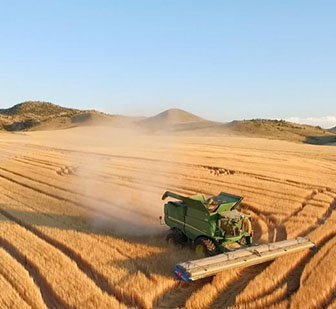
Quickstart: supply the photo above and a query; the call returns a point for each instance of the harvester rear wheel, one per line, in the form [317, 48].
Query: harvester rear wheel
[175, 238]
[205, 247]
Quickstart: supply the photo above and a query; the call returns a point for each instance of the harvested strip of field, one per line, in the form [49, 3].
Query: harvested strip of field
[9, 298]
[210, 291]
[319, 272]
[63, 284]
[15, 274]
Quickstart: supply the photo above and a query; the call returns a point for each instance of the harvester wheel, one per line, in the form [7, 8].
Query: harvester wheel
[205, 247]
[175, 238]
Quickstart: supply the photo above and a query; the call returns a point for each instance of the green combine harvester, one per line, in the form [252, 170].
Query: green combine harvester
[210, 226]
[207, 225]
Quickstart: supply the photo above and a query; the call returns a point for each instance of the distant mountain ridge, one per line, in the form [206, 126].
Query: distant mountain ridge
[37, 115]
[333, 129]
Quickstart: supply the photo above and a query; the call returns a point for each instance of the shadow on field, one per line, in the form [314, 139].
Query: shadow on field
[160, 263]
[121, 228]
[148, 267]
[321, 140]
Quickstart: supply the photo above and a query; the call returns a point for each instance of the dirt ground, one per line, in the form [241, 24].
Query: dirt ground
[79, 219]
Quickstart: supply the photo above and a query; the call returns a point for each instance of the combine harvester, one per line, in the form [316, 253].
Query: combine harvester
[210, 226]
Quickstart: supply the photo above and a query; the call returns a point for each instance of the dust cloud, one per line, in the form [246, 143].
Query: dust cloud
[121, 174]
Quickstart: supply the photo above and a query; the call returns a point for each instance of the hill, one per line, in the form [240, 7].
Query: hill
[333, 129]
[265, 128]
[36, 109]
[37, 115]
[278, 129]
[169, 118]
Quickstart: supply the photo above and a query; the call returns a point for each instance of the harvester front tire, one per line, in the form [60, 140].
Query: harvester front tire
[205, 247]
[175, 238]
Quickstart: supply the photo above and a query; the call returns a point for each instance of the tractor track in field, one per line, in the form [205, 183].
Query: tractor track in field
[99, 280]
[294, 280]
[260, 214]
[322, 220]
[161, 161]
[327, 239]
[276, 231]
[227, 297]
[58, 197]
[65, 224]
[209, 181]
[260, 229]
[177, 296]
[292, 277]
[21, 161]
[206, 182]
[308, 199]
[130, 179]
[95, 199]
[43, 183]
[41, 162]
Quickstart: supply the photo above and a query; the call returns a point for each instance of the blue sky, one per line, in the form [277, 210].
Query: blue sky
[222, 60]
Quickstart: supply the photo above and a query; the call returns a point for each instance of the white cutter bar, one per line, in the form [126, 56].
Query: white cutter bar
[197, 269]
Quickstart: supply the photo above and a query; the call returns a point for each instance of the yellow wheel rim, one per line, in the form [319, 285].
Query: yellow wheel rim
[199, 250]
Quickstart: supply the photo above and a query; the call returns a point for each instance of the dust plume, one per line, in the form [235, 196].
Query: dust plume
[119, 182]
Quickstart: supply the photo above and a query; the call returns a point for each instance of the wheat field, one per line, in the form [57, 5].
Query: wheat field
[79, 219]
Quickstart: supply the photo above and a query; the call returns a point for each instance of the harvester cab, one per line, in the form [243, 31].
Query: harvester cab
[208, 225]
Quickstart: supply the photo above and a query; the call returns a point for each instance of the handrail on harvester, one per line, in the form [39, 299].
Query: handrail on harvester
[197, 269]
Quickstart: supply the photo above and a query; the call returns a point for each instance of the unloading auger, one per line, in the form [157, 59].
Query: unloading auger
[208, 226]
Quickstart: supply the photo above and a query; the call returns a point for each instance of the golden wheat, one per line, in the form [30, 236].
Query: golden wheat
[80, 219]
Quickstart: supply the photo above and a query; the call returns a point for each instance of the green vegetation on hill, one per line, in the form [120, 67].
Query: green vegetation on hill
[32, 114]
[37, 108]
[37, 115]
[281, 129]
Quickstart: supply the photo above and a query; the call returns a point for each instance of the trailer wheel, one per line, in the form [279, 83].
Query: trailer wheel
[205, 247]
[175, 238]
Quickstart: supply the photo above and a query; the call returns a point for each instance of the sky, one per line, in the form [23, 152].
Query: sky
[222, 60]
